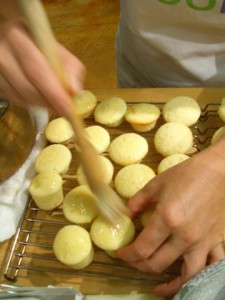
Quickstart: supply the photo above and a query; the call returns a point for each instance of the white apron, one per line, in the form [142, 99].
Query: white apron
[166, 43]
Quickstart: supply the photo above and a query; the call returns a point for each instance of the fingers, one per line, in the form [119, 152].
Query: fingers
[164, 257]
[30, 73]
[162, 251]
[180, 240]
[143, 199]
[193, 263]
[76, 70]
[8, 92]
[217, 253]
[146, 243]
[14, 84]
[38, 71]
[158, 237]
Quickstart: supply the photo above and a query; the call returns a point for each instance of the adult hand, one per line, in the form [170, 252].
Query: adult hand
[25, 75]
[188, 220]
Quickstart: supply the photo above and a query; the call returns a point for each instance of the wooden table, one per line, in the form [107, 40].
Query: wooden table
[93, 285]
[87, 29]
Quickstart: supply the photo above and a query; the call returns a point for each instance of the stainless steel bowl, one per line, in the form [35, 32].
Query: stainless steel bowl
[17, 137]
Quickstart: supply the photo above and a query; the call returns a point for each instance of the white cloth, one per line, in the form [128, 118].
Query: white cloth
[208, 284]
[166, 43]
[14, 190]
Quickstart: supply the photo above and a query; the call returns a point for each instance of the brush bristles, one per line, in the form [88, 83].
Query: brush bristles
[110, 204]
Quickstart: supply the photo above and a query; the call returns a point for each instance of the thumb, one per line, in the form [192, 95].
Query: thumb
[142, 199]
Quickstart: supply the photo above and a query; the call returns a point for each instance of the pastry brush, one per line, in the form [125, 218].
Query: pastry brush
[109, 203]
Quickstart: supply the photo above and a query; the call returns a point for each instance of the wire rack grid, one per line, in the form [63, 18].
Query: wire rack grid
[31, 248]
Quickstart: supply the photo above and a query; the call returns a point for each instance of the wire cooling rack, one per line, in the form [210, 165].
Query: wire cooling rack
[31, 248]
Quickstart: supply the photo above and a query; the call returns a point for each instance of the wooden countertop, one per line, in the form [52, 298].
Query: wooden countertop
[87, 29]
[204, 96]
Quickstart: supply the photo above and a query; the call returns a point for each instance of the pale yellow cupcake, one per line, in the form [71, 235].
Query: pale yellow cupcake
[79, 206]
[85, 103]
[59, 131]
[128, 148]
[108, 236]
[182, 109]
[218, 134]
[46, 190]
[73, 247]
[110, 111]
[55, 157]
[131, 179]
[107, 171]
[171, 161]
[173, 138]
[221, 110]
[99, 137]
[142, 116]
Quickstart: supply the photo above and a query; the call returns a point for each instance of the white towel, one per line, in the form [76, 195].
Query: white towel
[14, 190]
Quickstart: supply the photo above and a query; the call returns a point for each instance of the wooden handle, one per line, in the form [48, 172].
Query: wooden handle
[39, 25]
